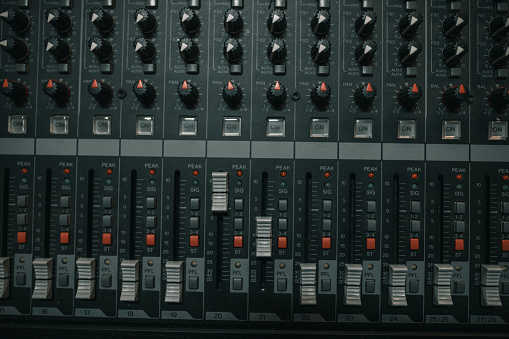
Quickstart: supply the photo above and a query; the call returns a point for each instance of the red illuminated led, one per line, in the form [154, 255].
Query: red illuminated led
[505, 177]
[109, 171]
[371, 175]
[195, 173]
[24, 170]
[327, 174]
[415, 175]
[152, 172]
[239, 173]
[67, 171]
[283, 174]
[459, 176]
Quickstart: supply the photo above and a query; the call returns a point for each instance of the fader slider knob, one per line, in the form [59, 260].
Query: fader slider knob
[57, 90]
[59, 20]
[188, 93]
[145, 92]
[454, 96]
[146, 21]
[19, 21]
[101, 91]
[102, 20]
[15, 90]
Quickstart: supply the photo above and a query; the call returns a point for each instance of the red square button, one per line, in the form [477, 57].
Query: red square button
[194, 241]
[151, 240]
[237, 241]
[505, 245]
[326, 243]
[22, 237]
[459, 244]
[106, 238]
[282, 242]
[370, 243]
[414, 244]
[64, 237]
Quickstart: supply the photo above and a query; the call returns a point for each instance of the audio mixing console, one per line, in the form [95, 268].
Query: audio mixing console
[320, 165]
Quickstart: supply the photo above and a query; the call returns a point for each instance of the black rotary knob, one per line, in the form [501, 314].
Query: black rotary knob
[320, 24]
[499, 98]
[59, 48]
[232, 94]
[59, 20]
[232, 50]
[320, 52]
[146, 21]
[409, 24]
[18, 49]
[189, 21]
[188, 93]
[101, 91]
[365, 52]
[408, 96]
[15, 90]
[102, 20]
[145, 92]
[452, 54]
[454, 96]
[19, 21]
[499, 26]
[145, 49]
[276, 94]
[451, 26]
[365, 23]
[233, 22]
[320, 95]
[365, 95]
[277, 51]
[499, 54]
[189, 49]
[101, 48]
[57, 90]
[276, 23]
[407, 54]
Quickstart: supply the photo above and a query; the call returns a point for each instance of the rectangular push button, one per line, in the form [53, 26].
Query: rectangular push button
[327, 205]
[283, 205]
[64, 238]
[108, 202]
[237, 241]
[64, 219]
[498, 130]
[65, 201]
[319, 128]
[275, 127]
[363, 129]
[194, 241]
[107, 239]
[459, 207]
[22, 219]
[237, 284]
[459, 244]
[371, 206]
[451, 130]
[415, 207]
[22, 200]
[107, 220]
[194, 283]
[22, 237]
[232, 126]
[281, 284]
[414, 244]
[370, 243]
[151, 203]
[326, 243]
[101, 125]
[407, 129]
[151, 240]
[145, 125]
[415, 226]
[282, 242]
[195, 204]
[194, 223]
[188, 126]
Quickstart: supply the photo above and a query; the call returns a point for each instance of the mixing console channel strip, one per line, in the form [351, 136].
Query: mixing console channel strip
[204, 165]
